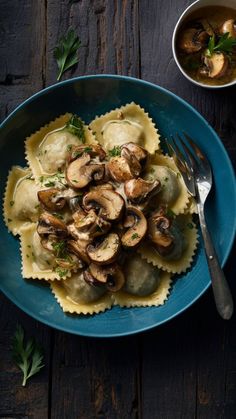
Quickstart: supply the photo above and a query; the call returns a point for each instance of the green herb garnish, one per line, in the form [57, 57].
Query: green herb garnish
[134, 236]
[61, 272]
[76, 127]
[190, 225]
[49, 184]
[225, 43]
[27, 355]
[66, 52]
[170, 213]
[115, 151]
[12, 203]
[60, 249]
[57, 215]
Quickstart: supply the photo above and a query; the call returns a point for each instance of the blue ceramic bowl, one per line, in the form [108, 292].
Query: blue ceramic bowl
[90, 96]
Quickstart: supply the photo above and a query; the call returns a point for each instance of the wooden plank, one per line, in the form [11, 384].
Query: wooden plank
[108, 31]
[94, 378]
[22, 64]
[17, 401]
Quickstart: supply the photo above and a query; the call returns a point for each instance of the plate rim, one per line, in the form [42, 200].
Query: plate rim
[39, 317]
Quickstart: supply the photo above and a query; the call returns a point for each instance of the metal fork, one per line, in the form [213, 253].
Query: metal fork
[197, 175]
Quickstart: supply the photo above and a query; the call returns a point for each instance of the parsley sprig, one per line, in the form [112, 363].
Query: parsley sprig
[76, 127]
[66, 52]
[224, 43]
[115, 151]
[27, 355]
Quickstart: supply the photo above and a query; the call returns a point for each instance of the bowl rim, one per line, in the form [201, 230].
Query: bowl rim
[67, 329]
[174, 36]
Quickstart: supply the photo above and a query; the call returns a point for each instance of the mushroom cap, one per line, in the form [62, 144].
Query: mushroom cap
[79, 173]
[78, 247]
[135, 149]
[94, 150]
[49, 224]
[106, 251]
[51, 199]
[139, 190]
[229, 26]
[109, 203]
[109, 275]
[136, 223]
[90, 223]
[217, 65]
[159, 232]
[120, 169]
[192, 40]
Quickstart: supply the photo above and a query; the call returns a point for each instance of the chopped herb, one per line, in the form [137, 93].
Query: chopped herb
[27, 255]
[115, 151]
[225, 43]
[45, 151]
[56, 214]
[166, 179]
[152, 170]
[29, 246]
[33, 255]
[61, 272]
[65, 52]
[49, 184]
[37, 206]
[48, 262]
[12, 203]
[27, 355]
[135, 236]
[9, 220]
[190, 225]
[41, 179]
[76, 154]
[69, 147]
[170, 213]
[74, 180]
[178, 174]
[60, 249]
[76, 127]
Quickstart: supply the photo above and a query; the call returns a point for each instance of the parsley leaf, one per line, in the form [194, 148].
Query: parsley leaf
[225, 43]
[134, 236]
[76, 127]
[66, 52]
[115, 151]
[27, 355]
[60, 249]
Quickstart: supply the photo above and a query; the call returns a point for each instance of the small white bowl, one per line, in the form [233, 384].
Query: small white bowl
[193, 7]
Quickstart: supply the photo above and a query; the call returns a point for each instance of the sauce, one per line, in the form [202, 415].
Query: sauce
[196, 61]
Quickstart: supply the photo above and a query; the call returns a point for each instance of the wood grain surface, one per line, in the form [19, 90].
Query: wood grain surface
[184, 369]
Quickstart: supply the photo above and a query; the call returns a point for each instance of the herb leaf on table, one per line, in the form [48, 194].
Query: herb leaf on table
[27, 355]
[66, 52]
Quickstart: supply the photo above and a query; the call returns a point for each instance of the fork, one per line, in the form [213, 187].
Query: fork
[197, 175]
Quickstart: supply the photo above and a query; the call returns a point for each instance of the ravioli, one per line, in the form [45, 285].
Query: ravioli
[129, 123]
[21, 206]
[48, 148]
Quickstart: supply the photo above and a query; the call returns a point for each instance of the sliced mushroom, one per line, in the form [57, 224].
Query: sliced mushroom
[136, 223]
[74, 203]
[159, 232]
[79, 173]
[139, 190]
[139, 152]
[94, 150]
[110, 275]
[192, 40]
[109, 203]
[78, 247]
[217, 65]
[48, 224]
[121, 170]
[51, 199]
[106, 251]
[134, 163]
[90, 223]
[229, 26]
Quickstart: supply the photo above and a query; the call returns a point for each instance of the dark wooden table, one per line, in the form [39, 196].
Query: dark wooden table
[184, 369]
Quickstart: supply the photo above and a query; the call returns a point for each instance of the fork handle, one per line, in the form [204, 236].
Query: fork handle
[223, 297]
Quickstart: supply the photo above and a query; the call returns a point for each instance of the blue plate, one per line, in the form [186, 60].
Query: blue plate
[90, 96]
